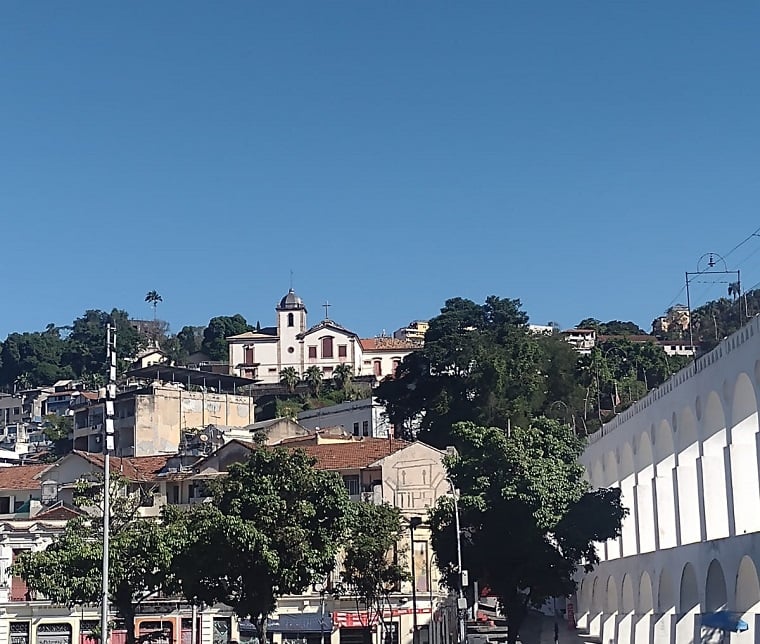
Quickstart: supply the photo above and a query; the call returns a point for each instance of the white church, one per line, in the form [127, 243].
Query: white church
[264, 353]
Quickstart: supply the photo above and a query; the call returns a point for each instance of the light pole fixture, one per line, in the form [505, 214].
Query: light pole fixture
[321, 588]
[461, 601]
[414, 522]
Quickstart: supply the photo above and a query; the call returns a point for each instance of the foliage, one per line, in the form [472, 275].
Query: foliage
[58, 430]
[140, 554]
[342, 375]
[313, 377]
[371, 570]
[613, 327]
[479, 363]
[214, 343]
[153, 298]
[33, 359]
[274, 528]
[290, 378]
[528, 517]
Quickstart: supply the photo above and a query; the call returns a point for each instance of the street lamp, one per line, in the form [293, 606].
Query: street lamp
[321, 588]
[461, 601]
[414, 522]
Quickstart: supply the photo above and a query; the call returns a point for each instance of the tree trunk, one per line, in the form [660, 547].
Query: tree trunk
[516, 611]
[261, 629]
[129, 621]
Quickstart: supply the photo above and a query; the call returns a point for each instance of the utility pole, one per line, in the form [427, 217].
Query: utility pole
[414, 522]
[461, 601]
[108, 445]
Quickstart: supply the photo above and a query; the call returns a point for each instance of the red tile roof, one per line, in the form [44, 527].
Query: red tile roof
[353, 455]
[387, 344]
[135, 468]
[21, 477]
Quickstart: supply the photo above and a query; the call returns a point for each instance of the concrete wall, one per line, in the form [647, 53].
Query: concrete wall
[686, 460]
[346, 415]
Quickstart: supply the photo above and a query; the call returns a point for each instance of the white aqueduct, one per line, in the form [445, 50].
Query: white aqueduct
[686, 459]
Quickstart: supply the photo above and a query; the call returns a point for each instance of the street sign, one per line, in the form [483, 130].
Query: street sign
[465, 579]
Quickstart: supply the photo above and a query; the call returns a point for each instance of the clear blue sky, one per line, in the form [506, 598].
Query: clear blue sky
[579, 156]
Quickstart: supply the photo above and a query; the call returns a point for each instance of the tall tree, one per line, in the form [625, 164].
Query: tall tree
[342, 375]
[528, 516]
[314, 379]
[218, 330]
[480, 362]
[371, 566]
[33, 359]
[153, 298]
[274, 528]
[68, 572]
[289, 378]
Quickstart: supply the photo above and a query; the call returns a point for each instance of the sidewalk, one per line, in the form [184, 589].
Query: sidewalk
[539, 629]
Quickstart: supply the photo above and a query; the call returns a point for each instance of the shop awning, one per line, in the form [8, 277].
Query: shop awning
[294, 623]
[725, 621]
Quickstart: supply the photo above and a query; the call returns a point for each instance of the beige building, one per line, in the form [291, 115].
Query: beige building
[159, 404]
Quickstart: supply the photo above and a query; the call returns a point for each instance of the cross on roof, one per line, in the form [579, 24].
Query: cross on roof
[327, 306]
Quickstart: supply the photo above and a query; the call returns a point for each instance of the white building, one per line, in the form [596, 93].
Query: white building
[686, 460]
[582, 339]
[358, 417]
[678, 347]
[264, 353]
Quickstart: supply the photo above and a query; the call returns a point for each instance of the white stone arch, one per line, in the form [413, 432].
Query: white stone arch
[666, 593]
[747, 596]
[612, 604]
[689, 510]
[596, 597]
[716, 596]
[627, 604]
[646, 597]
[627, 474]
[666, 503]
[745, 482]
[688, 596]
[612, 477]
[645, 502]
[714, 493]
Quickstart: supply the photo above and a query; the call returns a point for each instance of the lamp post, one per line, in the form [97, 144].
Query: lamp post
[321, 588]
[461, 605]
[414, 522]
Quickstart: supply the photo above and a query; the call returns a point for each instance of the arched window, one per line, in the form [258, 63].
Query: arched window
[290, 319]
[377, 367]
[327, 347]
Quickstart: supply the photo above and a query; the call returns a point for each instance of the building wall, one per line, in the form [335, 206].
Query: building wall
[686, 460]
[351, 416]
[162, 415]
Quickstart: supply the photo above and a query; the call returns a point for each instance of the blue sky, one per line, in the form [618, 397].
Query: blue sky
[580, 156]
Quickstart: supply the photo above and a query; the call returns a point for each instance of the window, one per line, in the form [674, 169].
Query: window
[365, 428]
[356, 429]
[312, 352]
[327, 370]
[5, 504]
[377, 368]
[54, 633]
[248, 359]
[342, 351]
[19, 633]
[352, 485]
[396, 363]
[327, 347]
[290, 319]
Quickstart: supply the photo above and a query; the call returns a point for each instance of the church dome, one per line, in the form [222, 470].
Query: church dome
[291, 301]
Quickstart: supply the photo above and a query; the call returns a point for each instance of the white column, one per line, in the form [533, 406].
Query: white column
[664, 488]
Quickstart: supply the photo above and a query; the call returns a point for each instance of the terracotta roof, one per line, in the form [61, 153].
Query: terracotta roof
[135, 468]
[353, 455]
[631, 338]
[387, 344]
[21, 477]
[59, 511]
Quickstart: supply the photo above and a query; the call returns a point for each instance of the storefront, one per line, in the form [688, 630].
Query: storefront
[291, 628]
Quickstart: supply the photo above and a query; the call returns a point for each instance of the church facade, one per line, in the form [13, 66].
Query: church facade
[263, 354]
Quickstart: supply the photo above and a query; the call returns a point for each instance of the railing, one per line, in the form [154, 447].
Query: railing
[726, 346]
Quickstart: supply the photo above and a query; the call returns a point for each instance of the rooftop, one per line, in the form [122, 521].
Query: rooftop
[352, 455]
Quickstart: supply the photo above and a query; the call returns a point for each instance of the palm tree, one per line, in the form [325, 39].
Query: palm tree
[153, 298]
[314, 379]
[342, 375]
[289, 378]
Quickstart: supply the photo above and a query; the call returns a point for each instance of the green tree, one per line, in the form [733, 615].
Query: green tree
[314, 379]
[289, 378]
[479, 363]
[215, 335]
[528, 516]
[58, 430]
[153, 298]
[342, 375]
[140, 554]
[32, 360]
[274, 528]
[370, 566]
